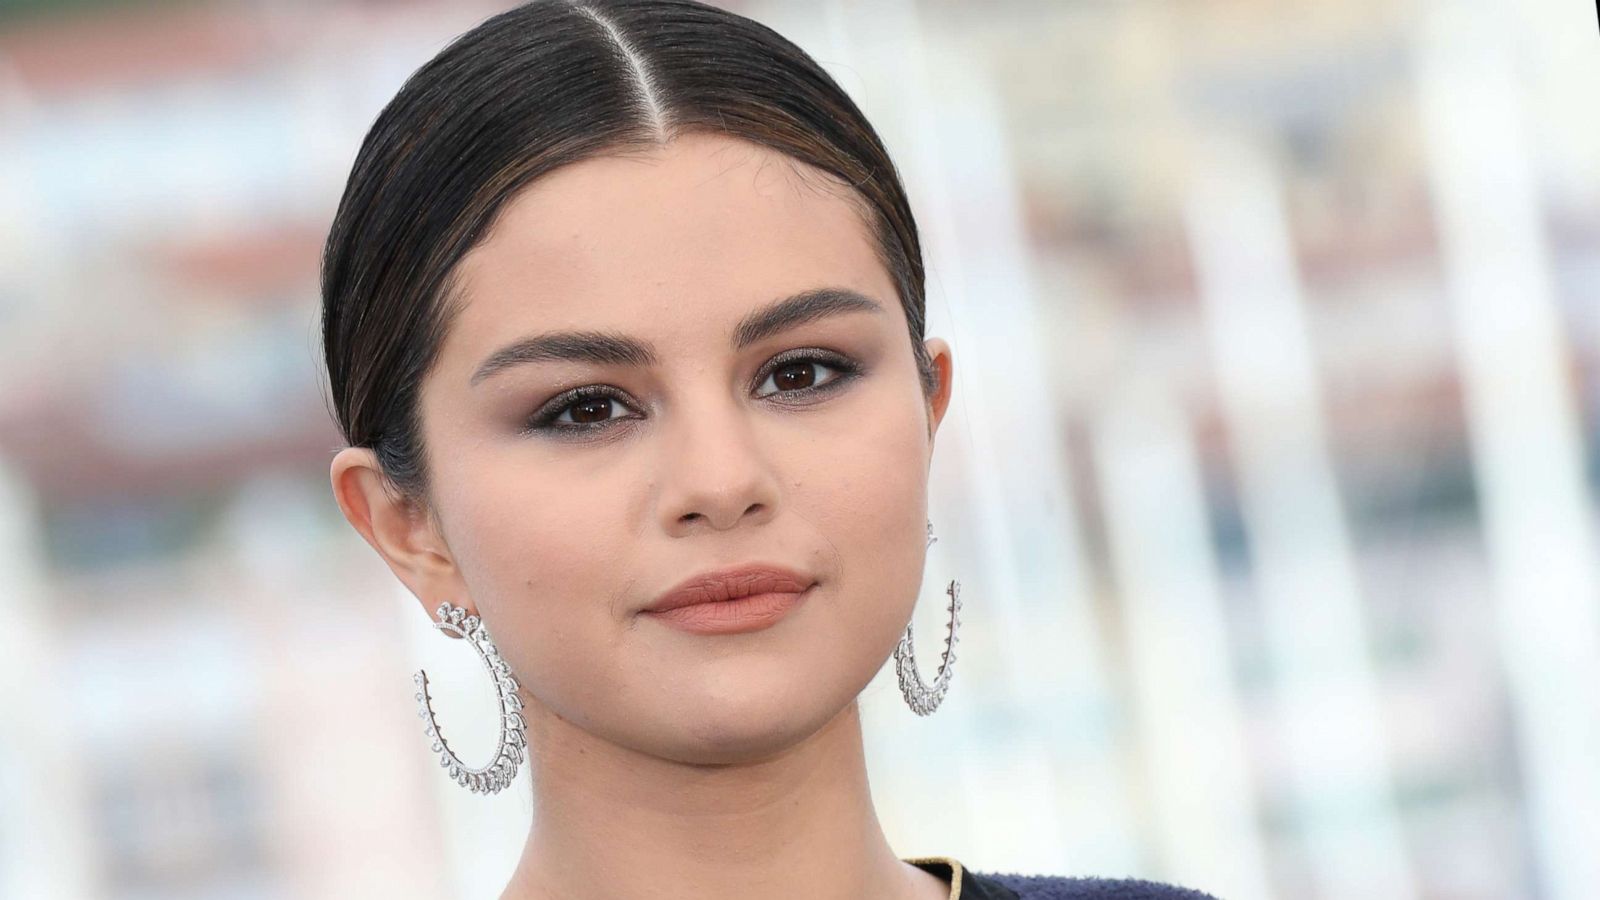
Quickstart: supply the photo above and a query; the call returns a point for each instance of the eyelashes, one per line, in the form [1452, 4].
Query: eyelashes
[797, 378]
[787, 363]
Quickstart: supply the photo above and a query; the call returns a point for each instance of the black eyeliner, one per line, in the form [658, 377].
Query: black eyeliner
[543, 420]
[560, 403]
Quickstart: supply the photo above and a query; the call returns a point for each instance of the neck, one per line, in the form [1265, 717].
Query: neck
[611, 823]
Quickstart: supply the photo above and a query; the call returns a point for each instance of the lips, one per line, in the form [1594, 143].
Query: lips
[731, 584]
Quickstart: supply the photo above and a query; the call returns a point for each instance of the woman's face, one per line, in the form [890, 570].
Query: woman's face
[563, 521]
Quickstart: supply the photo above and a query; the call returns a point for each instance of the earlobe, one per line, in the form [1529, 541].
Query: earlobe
[405, 538]
[944, 367]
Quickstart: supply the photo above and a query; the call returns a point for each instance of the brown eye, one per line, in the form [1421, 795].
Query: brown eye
[584, 409]
[595, 409]
[805, 374]
[795, 376]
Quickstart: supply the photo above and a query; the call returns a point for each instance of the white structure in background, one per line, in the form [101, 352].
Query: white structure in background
[43, 815]
[1191, 725]
[1526, 444]
[351, 816]
[1325, 685]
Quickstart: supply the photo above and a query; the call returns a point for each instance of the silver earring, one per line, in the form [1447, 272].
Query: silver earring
[922, 698]
[498, 773]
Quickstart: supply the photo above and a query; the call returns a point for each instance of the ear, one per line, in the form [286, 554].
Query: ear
[944, 367]
[405, 535]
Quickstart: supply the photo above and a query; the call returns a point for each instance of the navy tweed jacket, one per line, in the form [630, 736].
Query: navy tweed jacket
[977, 885]
[1053, 887]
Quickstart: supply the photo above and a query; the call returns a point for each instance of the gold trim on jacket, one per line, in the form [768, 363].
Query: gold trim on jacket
[952, 864]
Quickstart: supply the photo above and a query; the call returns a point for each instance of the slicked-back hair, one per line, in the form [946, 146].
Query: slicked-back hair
[529, 90]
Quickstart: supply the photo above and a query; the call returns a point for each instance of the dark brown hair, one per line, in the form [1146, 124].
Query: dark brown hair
[539, 86]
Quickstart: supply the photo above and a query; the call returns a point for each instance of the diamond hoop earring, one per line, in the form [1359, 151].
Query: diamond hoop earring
[922, 698]
[497, 774]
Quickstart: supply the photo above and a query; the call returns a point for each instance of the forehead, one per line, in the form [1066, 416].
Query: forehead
[679, 239]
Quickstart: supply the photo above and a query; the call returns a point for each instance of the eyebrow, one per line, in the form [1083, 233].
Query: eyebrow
[616, 348]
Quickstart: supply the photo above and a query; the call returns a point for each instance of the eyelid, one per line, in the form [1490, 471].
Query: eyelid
[804, 353]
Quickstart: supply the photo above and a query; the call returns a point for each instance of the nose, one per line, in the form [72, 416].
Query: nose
[715, 472]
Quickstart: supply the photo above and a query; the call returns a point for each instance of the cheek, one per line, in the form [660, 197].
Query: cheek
[868, 499]
[529, 535]
[541, 556]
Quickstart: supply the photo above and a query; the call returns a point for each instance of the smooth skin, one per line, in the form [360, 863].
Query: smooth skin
[666, 764]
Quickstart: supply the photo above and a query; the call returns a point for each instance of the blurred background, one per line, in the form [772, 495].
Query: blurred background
[1270, 479]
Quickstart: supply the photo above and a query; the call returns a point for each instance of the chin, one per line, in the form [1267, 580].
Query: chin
[747, 724]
